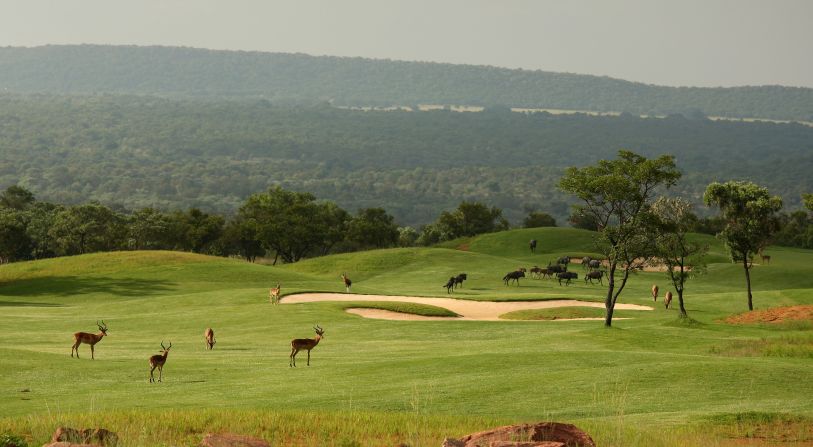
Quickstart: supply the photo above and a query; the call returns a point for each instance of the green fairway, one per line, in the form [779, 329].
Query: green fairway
[650, 380]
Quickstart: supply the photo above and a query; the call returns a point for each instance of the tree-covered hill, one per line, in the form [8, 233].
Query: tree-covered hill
[147, 151]
[173, 71]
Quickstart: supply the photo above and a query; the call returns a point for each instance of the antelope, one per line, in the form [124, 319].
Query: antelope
[90, 339]
[347, 282]
[157, 361]
[655, 292]
[667, 299]
[298, 344]
[766, 259]
[273, 295]
[209, 335]
[532, 245]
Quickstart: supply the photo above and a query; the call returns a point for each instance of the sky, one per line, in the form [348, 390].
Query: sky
[677, 43]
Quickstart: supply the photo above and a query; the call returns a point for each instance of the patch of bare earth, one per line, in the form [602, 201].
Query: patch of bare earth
[774, 315]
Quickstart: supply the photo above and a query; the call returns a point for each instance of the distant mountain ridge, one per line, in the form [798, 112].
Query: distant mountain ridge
[190, 72]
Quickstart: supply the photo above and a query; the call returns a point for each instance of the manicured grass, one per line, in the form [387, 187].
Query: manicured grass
[559, 313]
[652, 380]
[406, 308]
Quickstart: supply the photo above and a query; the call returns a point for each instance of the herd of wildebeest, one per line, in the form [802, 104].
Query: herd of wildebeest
[592, 267]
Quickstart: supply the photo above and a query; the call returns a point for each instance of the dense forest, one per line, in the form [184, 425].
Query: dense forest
[188, 72]
[134, 152]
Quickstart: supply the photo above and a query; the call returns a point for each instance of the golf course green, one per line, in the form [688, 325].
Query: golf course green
[653, 379]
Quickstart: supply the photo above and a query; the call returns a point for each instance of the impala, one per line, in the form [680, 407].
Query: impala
[209, 335]
[273, 294]
[298, 344]
[90, 339]
[655, 292]
[347, 282]
[157, 361]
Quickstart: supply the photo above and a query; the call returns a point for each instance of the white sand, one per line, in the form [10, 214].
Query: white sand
[467, 309]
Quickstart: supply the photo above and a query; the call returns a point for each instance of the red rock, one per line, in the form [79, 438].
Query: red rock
[544, 434]
[232, 440]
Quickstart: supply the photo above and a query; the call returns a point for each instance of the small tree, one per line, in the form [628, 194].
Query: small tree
[673, 248]
[470, 219]
[808, 199]
[373, 227]
[617, 194]
[750, 215]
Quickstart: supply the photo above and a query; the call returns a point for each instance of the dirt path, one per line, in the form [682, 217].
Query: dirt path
[467, 309]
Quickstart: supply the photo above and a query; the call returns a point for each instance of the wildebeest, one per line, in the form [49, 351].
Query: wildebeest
[596, 274]
[586, 262]
[556, 268]
[532, 244]
[567, 276]
[513, 276]
[564, 260]
[667, 299]
[594, 264]
[459, 280]
[450, 284]
[536, 272]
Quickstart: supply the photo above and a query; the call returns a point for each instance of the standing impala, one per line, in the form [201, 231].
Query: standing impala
[347, 282]
[90, 339]
[305, 343]
[157, 361]
[273, 294]
[209, 335]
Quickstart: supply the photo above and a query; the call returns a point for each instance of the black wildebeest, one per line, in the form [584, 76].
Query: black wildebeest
[532, 245]
[594, 264]
[564, 260]
[596, 274]
[567, 276]
[586, 262]
[459, 280]
[450, 284]
[513, 276]
[556, 268]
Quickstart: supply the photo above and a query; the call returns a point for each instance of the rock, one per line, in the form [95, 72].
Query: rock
[544, 434]
[67, 434]
[68, 444]
[231, 440]
[100, 436]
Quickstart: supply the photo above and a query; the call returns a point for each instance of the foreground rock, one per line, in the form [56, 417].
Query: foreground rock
[231, 440]
[544, 434]
[67, 436]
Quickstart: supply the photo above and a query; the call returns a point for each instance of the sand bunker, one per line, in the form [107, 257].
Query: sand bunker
[468, 310]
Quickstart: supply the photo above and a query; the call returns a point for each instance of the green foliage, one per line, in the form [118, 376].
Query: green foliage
[16, 197]
[199, 73]
[373, 228]
[10, 440]
[617, 195]
[470, 219]
[750, 216]
[537, 219]
[808, 201]
[178, 154]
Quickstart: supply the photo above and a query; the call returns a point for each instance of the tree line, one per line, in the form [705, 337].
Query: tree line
[189, 72]
[284, 225]
[138, 152]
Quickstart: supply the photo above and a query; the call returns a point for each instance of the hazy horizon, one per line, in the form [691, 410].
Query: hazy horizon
[690, 43]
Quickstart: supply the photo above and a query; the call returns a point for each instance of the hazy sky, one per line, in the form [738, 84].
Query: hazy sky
[678, 42]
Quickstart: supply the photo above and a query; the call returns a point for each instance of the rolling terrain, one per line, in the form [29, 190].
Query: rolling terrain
[650, 380]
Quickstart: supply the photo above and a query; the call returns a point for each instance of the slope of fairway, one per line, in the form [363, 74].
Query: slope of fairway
[640, 383]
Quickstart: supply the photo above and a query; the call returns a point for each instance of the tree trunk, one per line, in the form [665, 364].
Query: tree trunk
[680, 292]
[609, 303]
[748, 282]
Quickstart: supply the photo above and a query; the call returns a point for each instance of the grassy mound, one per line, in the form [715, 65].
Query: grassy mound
[559, 313]
[405, 308]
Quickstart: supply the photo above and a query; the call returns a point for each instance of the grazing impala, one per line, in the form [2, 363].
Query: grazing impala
[298, 344]
[273, 294]
[667, 299]
[347, 282]
[157, 361]
[655, 292]
[90, 339]
[209, 335]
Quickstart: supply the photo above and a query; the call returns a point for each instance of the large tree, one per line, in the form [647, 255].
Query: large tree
[470, 219]
[618, 194]
[87, 228]
[750, 215]
[373, 227]
[681, 255]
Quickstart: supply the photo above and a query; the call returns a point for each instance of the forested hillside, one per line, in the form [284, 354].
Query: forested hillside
[146, 151]
[187, 72]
